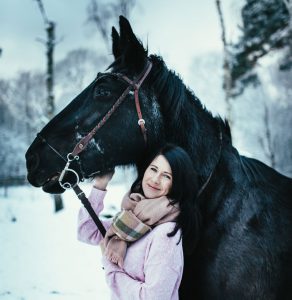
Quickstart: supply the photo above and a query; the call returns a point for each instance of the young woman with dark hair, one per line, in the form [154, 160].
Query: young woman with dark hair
[143, 246]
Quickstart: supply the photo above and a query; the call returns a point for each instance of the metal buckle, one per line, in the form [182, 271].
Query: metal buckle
[141, 121]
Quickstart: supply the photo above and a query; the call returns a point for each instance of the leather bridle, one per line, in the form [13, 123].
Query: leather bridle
[133, 86]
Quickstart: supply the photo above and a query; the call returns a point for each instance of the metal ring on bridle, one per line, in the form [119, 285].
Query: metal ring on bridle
[70, 157]
[68, 185]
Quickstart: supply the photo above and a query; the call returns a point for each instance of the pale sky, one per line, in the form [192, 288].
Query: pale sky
[178, 30]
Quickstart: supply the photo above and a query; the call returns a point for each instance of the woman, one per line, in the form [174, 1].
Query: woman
[162, 201]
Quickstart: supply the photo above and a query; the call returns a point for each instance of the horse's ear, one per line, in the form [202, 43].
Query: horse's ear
[116, 43]
[126, 29]
[132, 49]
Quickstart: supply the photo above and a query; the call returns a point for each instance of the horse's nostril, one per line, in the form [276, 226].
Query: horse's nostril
[32, 162]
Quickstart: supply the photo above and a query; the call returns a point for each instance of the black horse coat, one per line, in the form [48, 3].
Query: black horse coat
[245, 246]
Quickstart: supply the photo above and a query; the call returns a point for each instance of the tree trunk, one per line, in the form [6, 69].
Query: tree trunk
[50, 69]
[269, 138]
[288, 4]
[227, 83]
[58, 202]
[50, 90]
[101, 14]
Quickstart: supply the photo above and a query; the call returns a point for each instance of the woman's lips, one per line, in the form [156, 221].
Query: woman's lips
[152, 187]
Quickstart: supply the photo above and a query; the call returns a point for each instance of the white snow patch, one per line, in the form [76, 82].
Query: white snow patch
[95, 144]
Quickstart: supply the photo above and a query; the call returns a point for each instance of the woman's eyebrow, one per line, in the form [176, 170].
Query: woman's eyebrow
[167, 173]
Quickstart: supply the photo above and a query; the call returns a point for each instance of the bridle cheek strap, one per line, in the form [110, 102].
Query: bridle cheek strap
[141, 121]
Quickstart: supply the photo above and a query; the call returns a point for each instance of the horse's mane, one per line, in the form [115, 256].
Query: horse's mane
[179, 100]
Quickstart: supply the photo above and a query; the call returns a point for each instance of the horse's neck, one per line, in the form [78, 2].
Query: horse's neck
[186, 122]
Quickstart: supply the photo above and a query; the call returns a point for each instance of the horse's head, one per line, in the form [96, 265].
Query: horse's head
[119, 140]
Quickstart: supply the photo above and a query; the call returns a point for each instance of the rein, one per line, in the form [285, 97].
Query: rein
[203, 187]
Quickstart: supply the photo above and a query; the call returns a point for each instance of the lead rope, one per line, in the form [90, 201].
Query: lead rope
[80, 194]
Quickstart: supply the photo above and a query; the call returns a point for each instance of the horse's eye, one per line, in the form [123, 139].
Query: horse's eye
[100, 92]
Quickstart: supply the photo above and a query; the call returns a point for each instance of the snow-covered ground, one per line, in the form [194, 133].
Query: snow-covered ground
[40, 257]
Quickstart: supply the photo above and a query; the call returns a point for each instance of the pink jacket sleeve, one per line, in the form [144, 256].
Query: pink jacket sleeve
[87, 231]
[163, 271]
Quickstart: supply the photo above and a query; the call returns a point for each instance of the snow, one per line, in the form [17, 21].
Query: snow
[40, 256]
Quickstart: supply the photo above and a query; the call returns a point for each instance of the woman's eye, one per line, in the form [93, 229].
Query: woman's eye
[167, 177]
[99, 92]
[153, 169]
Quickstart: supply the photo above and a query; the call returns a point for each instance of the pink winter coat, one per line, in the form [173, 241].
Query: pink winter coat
[153, 265]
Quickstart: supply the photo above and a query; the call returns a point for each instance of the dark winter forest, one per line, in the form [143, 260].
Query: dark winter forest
[236, 56]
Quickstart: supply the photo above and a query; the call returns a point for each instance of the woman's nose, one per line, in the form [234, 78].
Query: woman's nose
[155, 179]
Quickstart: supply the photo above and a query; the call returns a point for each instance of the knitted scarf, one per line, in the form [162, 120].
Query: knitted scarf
[137, 217]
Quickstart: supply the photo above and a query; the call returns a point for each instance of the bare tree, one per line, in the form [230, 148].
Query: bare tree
[21, 100]
[101, 14]
[266, 141]
[20, 114]
[227, 80]
[288, 4]
[5, 116]
[50, 45]
[281, 111]
[74, 71]
[50, 68]
[78, 67]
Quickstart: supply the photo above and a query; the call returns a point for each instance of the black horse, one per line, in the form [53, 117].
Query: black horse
[245, 246]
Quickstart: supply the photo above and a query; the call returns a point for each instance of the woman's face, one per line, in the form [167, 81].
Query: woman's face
[157, 179]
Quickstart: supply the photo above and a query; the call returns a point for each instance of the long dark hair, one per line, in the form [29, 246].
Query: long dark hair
[183, 191]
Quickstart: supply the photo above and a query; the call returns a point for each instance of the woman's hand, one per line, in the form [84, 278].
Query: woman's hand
[101, 182]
